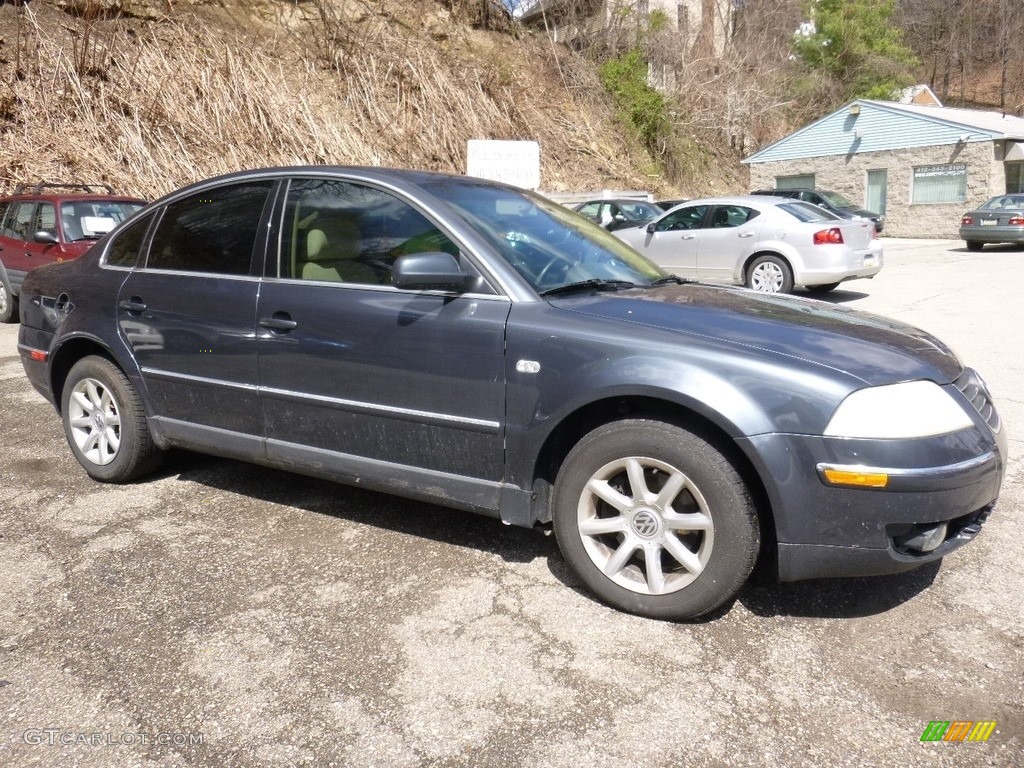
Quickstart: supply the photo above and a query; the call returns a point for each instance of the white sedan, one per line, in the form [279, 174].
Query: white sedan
[769, 244]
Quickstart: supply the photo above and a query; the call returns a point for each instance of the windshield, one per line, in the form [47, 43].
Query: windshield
[546, 243]
[640, 211]
[836, 199]
[91, 219]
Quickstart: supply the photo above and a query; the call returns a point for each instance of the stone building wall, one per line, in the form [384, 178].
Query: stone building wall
[847, 175]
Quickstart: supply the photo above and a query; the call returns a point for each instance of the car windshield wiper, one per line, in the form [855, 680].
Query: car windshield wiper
[670, 279]
[596, 284]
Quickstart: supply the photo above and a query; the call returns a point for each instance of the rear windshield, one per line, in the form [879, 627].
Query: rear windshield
[1016, 202]
[807, 212]
[92, 219]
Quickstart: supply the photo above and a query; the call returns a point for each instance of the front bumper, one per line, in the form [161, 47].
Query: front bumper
[940, 492]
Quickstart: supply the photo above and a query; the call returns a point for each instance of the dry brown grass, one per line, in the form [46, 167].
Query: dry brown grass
[151, 107]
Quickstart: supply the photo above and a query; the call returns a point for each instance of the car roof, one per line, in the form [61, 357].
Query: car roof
[741, 200]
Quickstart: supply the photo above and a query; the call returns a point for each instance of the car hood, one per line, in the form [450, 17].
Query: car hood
[874, 349]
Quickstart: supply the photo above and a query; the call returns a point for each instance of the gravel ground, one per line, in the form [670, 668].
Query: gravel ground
[221, 614]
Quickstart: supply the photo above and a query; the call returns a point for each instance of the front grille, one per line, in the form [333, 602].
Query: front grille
[974, 389]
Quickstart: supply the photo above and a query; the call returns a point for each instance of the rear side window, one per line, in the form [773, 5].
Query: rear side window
[211, 231]
[124, 251]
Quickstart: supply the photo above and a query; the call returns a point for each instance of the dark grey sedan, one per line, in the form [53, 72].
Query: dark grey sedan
[468, 343]
[1000, 220]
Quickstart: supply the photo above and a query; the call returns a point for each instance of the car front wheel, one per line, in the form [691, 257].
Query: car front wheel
[655, 520]
[8, 305]
[770, 274]
[105, 423]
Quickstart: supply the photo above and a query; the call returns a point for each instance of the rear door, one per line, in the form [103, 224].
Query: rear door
[731, 235]
[188, 311]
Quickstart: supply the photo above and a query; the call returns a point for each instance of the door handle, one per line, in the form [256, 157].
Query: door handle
[281, 321]
[134, 304]
[745, 234]
[688, 237]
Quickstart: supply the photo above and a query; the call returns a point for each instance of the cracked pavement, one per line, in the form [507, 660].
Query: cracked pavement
[221, 614]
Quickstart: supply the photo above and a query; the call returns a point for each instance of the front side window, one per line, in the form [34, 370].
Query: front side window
[343, 232]
[45, 219]
[939, 183]
[124, 251]
[689, 217]
[211, 231]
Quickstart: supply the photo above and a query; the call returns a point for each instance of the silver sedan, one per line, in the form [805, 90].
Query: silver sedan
[766, 243]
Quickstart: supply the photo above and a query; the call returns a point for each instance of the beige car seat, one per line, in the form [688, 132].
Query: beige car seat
[332, 258]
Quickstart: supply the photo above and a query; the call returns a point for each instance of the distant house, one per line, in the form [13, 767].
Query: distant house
[922, 166]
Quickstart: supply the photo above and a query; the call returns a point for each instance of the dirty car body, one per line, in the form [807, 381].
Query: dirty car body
[467, 343]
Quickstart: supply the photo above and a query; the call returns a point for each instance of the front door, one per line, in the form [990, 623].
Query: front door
[673, 243]
[361, 378]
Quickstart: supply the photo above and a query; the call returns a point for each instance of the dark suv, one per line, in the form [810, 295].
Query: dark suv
[51, 222]
[832, 202]
[476, 345]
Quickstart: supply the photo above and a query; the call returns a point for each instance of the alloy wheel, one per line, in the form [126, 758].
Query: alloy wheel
[95, 420]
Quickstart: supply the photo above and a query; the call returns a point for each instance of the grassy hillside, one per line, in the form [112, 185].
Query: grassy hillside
[150, 95]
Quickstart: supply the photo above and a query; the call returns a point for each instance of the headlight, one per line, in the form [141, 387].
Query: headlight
[911, 409]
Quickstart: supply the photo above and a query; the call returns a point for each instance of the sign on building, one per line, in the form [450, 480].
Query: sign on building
[512, 162]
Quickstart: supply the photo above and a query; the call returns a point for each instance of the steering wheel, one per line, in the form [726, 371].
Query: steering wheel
[558, 261]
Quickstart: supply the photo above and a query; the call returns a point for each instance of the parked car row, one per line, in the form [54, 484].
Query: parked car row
[479, 346]
[52, 222]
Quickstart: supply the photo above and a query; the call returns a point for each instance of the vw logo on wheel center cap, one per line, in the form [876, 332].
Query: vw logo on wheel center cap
[646, 524]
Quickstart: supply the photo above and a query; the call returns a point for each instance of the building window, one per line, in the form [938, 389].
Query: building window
[804, 181]
[1014, 178]
[940, 183]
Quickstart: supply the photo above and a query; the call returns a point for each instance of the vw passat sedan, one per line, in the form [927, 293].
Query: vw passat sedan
[467, 343]
[999, 220]
[766, 243]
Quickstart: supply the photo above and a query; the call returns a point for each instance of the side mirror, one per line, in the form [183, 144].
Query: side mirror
[432, 271]
[42, 236]
[650, 228]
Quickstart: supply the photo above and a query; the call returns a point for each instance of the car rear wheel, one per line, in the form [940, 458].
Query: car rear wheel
[975, 245]
[823, 288]
[655, 520]
[770, 274]
[105, 423]
[8, 305]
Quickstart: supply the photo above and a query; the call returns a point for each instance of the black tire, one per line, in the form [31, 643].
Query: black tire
[8, 305]
[974, 245]
[823, 288]
[105, 423]
[769, 274]
[694, 477]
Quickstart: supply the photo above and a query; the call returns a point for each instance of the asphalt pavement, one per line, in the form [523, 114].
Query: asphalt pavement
[220, 614]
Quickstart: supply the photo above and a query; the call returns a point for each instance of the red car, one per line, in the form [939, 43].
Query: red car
[49, 222]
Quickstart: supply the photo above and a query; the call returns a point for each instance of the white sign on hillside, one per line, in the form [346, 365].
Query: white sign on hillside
[512, 162]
